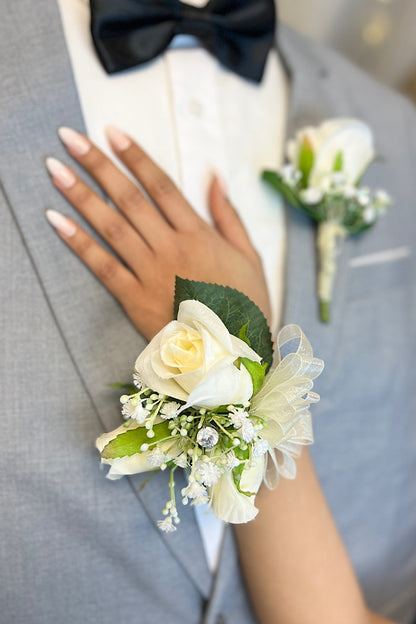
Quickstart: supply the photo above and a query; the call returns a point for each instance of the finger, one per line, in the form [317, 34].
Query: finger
[159, 186]
[109, 224]
[227, 220]
[123, 192]
[115, 277]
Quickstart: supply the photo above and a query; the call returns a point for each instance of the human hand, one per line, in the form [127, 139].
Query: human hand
[156, 241]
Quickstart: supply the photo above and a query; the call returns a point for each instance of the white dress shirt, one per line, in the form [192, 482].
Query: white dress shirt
[195, 119]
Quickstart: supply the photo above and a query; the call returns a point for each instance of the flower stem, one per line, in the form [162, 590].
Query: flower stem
[324, 311]
[330, 234]
[222, 428]
[172, 486]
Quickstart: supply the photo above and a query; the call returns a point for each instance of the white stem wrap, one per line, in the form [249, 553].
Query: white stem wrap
[330, 235]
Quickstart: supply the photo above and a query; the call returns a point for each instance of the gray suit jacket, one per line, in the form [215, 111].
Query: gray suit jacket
[75, 547]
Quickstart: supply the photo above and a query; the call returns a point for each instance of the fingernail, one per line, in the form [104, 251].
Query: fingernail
[61, 223]
[78, 144]
[117, 138]
[222, 184]
[60, 172]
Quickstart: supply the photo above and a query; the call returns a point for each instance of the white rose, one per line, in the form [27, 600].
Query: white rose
[351, 137]
[192, 359]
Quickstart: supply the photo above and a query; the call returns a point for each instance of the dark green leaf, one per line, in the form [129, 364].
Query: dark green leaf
[291, 196]
[129, 443]
[353, 220]
[358, 227]
[276, 181]
[234, 309]
[128, 387]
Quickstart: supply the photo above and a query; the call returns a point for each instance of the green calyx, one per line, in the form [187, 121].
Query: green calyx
[306, 160]
[257, 372]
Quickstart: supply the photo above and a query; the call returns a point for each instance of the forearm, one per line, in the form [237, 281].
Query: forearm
[294, 562]
[377, 619]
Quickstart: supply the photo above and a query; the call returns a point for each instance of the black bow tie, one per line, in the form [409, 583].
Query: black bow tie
[239, 33]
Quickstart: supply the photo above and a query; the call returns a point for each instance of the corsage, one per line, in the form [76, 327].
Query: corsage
[207, 398]
[323, 179]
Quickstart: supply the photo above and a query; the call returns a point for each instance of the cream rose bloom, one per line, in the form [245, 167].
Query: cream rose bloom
[193, 359]
[351, 137]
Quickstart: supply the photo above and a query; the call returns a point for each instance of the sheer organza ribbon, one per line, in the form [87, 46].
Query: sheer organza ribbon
[283, 402]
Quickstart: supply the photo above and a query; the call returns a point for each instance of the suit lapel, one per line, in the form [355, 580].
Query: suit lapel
[101, 341]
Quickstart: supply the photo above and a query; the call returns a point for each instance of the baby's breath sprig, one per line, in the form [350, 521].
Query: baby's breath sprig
[209, 442]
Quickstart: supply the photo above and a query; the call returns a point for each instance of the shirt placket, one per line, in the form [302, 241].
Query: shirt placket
[199, 135]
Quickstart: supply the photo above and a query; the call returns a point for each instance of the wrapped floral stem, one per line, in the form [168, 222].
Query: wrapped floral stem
[207, 400]
[323, 179]
[329, 239]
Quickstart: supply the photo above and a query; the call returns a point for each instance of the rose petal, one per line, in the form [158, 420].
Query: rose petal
[241, 349]
[155, 365]
[213, 349]
[251, 478]
[351, 137]
[192, 310]
[229, 504]
[128, 465]
[228, 385]
[146, 372]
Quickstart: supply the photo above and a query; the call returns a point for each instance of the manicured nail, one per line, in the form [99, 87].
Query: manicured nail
[117, 138]
[60, 172]
[61, 223]
[218, 181]
[78, 144]
[222, 184]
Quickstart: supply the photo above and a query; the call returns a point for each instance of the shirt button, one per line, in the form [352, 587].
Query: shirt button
[195, 108]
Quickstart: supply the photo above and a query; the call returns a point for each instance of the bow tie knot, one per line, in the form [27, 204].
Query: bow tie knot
[239, 33]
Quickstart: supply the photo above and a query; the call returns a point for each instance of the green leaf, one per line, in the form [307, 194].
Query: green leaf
[257, 372]
[306, 159]
[128, 387]
[291, 195]
[241, 454]
[237, 474]
[339, 162]
[234, 309]
[242, 334]
[288, 193]
[129, 443]
[353, 219]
